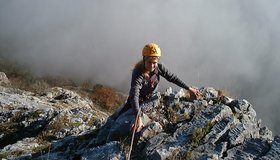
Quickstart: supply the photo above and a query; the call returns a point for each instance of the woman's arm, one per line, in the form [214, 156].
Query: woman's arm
[171, 77]
[134, 93]
[174, 79]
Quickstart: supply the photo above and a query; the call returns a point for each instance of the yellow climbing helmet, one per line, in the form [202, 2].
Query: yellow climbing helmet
[151, 50]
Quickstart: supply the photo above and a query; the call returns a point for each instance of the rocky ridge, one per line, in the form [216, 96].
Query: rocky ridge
[60, 124]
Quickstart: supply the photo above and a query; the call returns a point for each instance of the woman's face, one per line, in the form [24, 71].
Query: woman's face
[151, 63]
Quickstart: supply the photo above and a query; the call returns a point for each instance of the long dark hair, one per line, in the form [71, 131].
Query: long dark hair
[141, 67]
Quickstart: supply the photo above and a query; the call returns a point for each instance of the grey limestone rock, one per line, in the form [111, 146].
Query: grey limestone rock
[177, 127]
[4, 81]
[108, 151]
[274, 151]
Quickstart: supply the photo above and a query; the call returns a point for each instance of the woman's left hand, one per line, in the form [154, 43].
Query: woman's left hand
[194, 93]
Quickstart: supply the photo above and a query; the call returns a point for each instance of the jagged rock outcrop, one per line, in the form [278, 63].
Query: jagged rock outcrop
[4, 81]
[60, 124]
[29, 122]
[214, 127]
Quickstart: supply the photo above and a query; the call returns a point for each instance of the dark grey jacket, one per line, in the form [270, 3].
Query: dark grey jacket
[142, 89]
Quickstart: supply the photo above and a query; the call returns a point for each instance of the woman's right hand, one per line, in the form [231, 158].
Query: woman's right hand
[139, 124]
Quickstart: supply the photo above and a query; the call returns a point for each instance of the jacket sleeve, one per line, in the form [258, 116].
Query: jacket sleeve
[134, 93]
[164, 72]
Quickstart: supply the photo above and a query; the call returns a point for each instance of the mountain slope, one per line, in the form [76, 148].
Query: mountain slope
[61, 124]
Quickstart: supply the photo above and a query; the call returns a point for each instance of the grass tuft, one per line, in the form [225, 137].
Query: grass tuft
[107, 97]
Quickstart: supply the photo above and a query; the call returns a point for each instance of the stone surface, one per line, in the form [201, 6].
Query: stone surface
[60, 124]
[4, 81]
[57, 114]
[110, 150]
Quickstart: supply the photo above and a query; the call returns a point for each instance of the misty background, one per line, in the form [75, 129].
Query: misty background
[231, 45]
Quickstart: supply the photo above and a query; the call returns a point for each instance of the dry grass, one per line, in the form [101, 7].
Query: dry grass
[11, 155]
[107, 97]
[53, 128]
[224, 92]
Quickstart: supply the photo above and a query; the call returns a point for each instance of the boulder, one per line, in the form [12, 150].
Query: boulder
[57, 114]
[4, 81]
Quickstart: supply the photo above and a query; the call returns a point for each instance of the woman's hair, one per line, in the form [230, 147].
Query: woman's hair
[141, 66]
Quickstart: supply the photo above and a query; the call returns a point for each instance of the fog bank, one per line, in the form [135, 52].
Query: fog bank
[225, 44]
